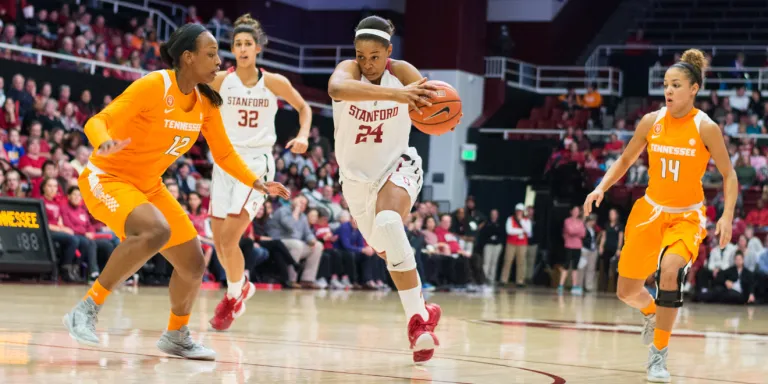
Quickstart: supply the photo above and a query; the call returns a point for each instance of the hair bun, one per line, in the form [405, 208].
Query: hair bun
[247, 20]
[253, 26]
[696, 58]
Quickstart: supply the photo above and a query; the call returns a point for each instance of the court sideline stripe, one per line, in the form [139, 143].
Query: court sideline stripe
[385, 350]
[236, 363]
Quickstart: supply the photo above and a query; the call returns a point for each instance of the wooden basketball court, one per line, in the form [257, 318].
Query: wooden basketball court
[360, 337]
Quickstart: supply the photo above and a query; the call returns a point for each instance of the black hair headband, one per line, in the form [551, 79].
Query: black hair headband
[695, 72]
[185, 39]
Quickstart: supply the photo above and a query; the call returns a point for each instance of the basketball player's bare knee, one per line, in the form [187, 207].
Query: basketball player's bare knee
[229, 242]
[194, 268]
[228, 247]
[231, 231]
[626, 293]
[390, 233]
[156, 235]
[628, 290]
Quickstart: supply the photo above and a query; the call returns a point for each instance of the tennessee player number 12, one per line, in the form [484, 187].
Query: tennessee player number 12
[178, 143]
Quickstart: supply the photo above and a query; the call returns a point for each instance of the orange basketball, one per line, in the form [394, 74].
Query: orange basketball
[443, 115]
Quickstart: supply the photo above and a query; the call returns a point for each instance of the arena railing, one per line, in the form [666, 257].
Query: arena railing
[93, 65]
[601, 54]
[723, 80]
[163, 24]
[289, 56]
[550, 132]
[280, 54]
[554, 80]
[623, 134]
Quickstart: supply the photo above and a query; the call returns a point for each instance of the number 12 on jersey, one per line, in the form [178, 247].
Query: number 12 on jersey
[671, 165]
[178, 143]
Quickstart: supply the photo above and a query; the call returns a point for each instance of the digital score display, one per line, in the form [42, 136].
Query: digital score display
[25, 241]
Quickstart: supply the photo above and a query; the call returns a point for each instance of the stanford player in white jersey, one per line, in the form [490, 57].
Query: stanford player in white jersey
[249, 108]
[380, 175]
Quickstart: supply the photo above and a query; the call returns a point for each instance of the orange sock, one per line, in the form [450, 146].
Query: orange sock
[650, 309]
[98, 293]
[661, 338]
[175, 322]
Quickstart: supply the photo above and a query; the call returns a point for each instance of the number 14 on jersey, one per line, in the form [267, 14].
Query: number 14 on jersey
[671, 165]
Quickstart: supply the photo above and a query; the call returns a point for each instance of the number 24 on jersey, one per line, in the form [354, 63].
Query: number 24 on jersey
[366, 131]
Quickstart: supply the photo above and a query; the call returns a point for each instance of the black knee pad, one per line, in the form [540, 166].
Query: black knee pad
[670, 299]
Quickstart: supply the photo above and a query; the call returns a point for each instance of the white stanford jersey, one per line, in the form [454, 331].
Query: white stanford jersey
[248, 113]
[370, 135]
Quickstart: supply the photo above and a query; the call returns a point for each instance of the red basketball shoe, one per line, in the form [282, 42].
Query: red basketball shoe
[421, 334]
[231, 308]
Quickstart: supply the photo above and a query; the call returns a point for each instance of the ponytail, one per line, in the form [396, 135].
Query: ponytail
[210, 94]
[165, 56]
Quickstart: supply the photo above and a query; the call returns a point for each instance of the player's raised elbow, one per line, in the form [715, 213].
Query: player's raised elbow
[334, 90]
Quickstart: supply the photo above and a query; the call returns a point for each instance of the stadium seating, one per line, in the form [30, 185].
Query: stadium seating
[728, 22]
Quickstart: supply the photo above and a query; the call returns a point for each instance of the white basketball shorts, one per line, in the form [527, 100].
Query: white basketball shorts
[229, 196]
[361, 196]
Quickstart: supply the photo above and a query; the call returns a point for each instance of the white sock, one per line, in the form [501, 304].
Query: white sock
[413, 302]
[234, 288]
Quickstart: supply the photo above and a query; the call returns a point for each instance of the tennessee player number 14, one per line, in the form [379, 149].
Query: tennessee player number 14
[674, 168]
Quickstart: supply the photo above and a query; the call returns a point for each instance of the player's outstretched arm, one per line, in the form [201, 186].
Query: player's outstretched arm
[713, 139]
[281, 86]
[229, 160]
[345, 85]
[619, 168]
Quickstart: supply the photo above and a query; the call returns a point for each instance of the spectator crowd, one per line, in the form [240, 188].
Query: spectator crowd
[78, 31]
[310, 241]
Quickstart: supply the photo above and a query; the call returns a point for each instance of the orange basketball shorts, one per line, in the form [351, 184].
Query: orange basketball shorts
[110, 200]
[651, 227]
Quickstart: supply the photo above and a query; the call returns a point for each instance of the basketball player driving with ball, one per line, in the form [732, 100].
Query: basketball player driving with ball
[380, 175]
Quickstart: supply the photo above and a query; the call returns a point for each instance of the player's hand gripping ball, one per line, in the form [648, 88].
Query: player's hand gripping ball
[444, 114]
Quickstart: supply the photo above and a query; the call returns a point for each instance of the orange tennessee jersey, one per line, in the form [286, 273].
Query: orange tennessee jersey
[150, 113]
[677, 159]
